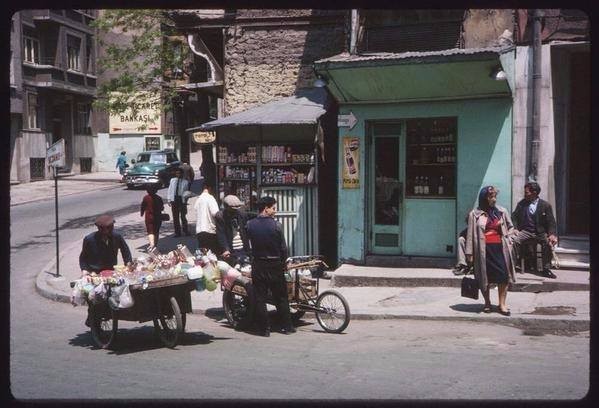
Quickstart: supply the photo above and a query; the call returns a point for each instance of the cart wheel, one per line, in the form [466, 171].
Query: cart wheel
[333, 311]
[239, 309]
[103, 328]
[170, 324]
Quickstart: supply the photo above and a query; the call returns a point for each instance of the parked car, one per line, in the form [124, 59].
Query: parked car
[152, 167]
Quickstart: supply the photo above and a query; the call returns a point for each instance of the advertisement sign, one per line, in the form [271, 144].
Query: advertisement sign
[55, 155]
[146, 118]
[351, 162]
[203, 137]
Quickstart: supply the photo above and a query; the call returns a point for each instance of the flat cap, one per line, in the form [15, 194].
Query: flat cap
[232, 201]
[104, 220]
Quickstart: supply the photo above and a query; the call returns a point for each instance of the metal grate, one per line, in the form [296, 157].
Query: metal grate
[386, 240]
[37, 168]
[85, 164]
[436, 36]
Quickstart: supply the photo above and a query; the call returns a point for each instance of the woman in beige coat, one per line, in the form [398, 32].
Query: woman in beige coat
[488, 245]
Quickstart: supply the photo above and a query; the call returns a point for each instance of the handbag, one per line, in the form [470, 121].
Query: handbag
[164, 217]
[469, 288]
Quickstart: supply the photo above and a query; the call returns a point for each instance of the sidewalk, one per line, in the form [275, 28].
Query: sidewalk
[376, 293]
[44, 189]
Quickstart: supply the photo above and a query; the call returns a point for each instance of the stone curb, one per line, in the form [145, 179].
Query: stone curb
[63, 195]
[41, 285]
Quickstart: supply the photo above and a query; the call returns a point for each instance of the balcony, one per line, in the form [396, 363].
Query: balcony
[73, 18]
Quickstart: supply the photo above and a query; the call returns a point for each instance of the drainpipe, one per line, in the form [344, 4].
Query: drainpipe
[536, 95]
[353, 35]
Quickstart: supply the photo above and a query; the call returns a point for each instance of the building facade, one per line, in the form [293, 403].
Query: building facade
[52, 86]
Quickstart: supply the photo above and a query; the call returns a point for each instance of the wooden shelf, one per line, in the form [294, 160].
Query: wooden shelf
[235, 179]
[287, 184]
[236, 164]
[286, 164]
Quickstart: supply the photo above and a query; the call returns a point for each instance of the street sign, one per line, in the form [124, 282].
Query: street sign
[347, 120]
[55, 155]
[203, 137]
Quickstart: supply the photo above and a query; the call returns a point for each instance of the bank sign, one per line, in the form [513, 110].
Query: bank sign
[145, 120]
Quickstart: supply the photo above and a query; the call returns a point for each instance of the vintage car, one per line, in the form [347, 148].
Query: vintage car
[155, 167]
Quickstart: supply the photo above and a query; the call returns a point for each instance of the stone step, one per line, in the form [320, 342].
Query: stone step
[566, 264]
[580, 257]
[580, 242]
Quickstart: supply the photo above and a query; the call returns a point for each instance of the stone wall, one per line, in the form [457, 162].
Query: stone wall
[483, 27]
[267, 62]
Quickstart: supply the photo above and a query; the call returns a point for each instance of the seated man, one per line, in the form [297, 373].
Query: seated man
[100, 249]
[533, 218]
[462, 267]
[231, 230]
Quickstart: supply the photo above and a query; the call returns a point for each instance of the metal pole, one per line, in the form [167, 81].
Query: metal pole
[536, 95]
[56, 218]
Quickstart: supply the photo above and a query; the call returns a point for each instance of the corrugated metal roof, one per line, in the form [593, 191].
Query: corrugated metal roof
[303, 108]
[380, 56]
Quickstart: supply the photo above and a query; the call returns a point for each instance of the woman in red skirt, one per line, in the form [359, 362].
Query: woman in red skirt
[152, 206]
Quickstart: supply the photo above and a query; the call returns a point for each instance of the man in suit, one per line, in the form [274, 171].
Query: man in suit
[534, 220]
[231, 232]
[178, 201]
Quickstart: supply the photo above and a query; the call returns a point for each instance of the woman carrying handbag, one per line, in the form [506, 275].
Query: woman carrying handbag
[152, 206]
[489, 247]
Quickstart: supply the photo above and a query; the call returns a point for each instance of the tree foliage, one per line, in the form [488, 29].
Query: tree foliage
[137, 62]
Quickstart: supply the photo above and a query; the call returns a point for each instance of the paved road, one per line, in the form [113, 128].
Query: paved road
[52, 354]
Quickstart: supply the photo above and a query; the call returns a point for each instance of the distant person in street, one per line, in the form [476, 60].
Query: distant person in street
[206, 209]
[152, 207]
[121, 164]
[268, 267]
[488, 245]
[534, 220]
[100, 250]
[231, 230]
[188, 173]
[208, 167]
[178, 203]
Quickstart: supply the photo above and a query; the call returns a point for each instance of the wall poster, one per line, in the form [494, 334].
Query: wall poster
[351, 162]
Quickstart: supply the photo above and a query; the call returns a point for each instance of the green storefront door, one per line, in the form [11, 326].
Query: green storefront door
[386, 188]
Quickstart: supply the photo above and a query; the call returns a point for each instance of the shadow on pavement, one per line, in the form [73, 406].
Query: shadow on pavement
[468, 308]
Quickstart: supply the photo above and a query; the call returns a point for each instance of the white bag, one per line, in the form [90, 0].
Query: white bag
[125, 300]
[195, 273]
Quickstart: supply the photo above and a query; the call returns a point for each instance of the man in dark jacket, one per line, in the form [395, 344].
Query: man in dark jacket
[533, 218]
[100, 250]
[231, 230]
[269, 252]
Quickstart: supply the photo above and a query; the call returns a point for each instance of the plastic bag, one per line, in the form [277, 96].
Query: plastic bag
[78, 295]
[126, 300]
[210, 285]
[115, 296]
[195, 273]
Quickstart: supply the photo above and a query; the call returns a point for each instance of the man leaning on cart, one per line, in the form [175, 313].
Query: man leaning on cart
[100, 250]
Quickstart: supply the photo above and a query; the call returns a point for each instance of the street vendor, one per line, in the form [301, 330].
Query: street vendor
[231, 230]
[100, 248]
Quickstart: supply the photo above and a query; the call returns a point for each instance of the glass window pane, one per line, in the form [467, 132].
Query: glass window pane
[387, 186]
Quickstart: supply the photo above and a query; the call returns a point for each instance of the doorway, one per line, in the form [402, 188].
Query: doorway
[386, 188]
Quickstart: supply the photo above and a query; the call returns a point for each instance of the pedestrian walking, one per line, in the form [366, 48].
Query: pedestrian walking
[152, 207]
[269, 252]
[177, 186]
[534, 220]
[121, 164]
[188, 173]
[206, 209]
[231, 230]
[100, 250]
[488, 246]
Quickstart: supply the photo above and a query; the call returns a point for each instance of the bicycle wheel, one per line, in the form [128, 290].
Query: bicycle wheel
[169, 324]
[238, 308]
[103, 328]
[333, 311]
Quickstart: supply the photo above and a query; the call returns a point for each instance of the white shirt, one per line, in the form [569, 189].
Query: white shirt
[183, 184]
[206, 208]
[532, 207]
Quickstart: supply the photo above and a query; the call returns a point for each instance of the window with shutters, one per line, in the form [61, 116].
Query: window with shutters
[32, 111]
[31, 50]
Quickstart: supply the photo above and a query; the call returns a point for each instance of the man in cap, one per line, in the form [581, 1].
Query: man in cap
[268, 267]
[230, 230]
[100, 249]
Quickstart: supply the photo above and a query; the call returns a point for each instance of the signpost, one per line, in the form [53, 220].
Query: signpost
[55, 157]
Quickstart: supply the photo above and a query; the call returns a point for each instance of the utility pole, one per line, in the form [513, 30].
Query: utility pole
[536, 95]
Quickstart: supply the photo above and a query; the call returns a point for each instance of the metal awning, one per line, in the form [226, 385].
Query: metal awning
[303, 108]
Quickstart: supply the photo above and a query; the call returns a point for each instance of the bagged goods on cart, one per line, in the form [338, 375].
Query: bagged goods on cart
[230, 276]
[120, 297]
[196, 272]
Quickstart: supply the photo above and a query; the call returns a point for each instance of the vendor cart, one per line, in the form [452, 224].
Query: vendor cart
[165, 302]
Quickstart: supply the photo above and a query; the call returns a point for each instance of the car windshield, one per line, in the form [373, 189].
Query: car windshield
[157, 158]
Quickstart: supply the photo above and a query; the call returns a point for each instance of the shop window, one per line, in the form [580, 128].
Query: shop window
[31, 50]
[73, 53]
[431, 158]
[83, 122]
[37, 168]
[152, 143]
[85, 164]
[32, 111]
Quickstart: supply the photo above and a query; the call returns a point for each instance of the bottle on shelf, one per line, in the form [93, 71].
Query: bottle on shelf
[417, 188]
[441, 187]
[426, 186]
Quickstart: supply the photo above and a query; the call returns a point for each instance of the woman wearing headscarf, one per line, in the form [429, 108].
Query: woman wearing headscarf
[489, 247]
[152, 207]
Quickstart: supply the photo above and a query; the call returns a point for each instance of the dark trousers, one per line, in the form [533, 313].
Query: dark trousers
[526, 237]
[179, 210]
[269, 275]
[208, 241]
